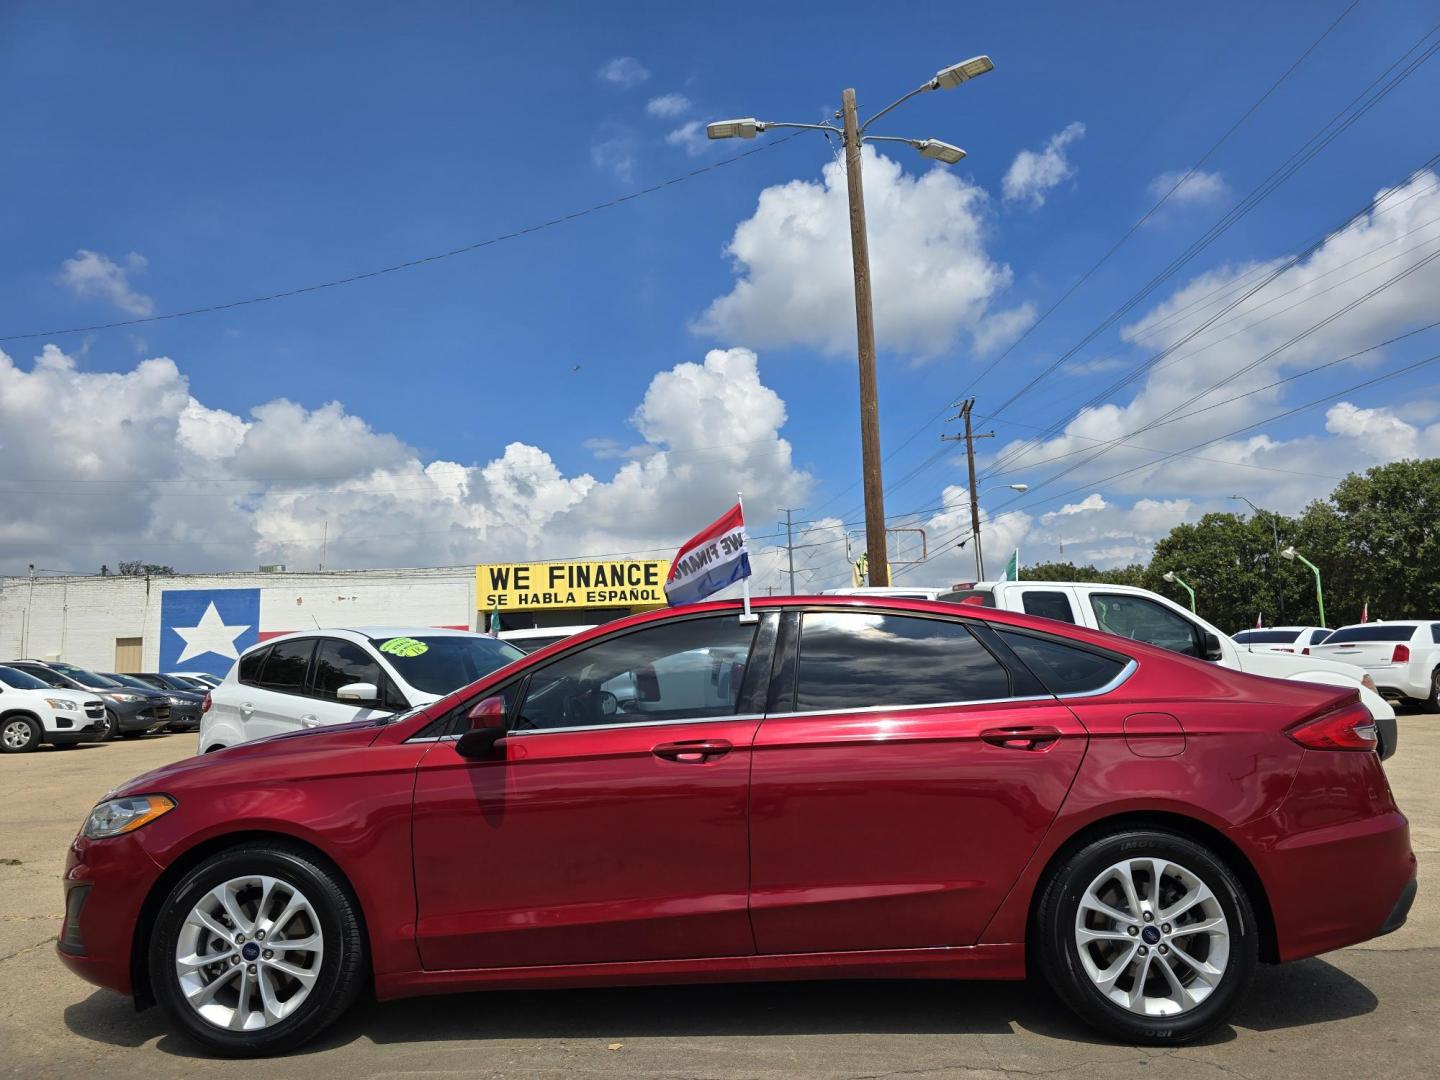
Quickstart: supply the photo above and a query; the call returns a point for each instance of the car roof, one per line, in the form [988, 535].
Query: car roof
[366, 633]
[1262, 629]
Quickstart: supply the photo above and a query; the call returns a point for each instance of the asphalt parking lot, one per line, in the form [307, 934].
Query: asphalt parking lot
[1373, 1010]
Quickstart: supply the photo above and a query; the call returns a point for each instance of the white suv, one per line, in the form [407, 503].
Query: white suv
[323, 677]
[32, 712]
[1403, 657]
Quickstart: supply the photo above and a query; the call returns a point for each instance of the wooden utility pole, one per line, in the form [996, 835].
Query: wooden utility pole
[969, 440]
[879, 564]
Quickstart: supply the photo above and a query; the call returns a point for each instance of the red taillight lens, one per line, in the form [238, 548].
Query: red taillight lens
[1350, 727]
[1401, 655]
[205, 705]
[1305, 651]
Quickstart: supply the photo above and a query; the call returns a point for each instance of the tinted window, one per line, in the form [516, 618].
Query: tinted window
[48, 677]
[1063, 668]
[689, 669]
[250, 666]
[341, 662]
[984, 597]
[285, 666]
[442, 664]
[1371, 632]
[1435, 632]
[1048, 605]
[1318, 637]
[856, 659]
[19, 680]
[1267, 637]
[86, 678]
[1142, 619]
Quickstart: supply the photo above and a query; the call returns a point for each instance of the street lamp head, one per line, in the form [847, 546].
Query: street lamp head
[1288, 553]
[745, 128]
[952, 76]
[939, 151]
[1021, 488]
[1169, 576]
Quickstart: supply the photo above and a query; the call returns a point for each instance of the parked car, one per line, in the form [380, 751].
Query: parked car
[891, 788]
[129, 712]
[185, 705]
[1291, 639]
[33, 714]
[336, 676]
[1146, 616]
[201, 680]
[1403, 657]
[536, 638]
[157, 680]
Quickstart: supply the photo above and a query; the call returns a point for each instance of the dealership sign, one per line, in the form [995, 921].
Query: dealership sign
[582, 584]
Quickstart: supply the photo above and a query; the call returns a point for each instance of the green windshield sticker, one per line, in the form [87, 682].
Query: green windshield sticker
[404, 646]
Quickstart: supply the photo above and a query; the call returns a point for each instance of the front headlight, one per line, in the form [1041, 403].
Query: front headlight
[114, 817]
[179, 701]
[127, 697]
[61, 704]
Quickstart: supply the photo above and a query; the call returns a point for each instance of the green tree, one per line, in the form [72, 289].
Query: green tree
[1068, 571]
[136, 568]
[1231, 564]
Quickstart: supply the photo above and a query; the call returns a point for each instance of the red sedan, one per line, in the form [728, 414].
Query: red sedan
[837, 788]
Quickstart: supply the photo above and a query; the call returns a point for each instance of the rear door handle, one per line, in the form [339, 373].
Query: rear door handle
[1021, 737]
[246, 709]
[692, 752]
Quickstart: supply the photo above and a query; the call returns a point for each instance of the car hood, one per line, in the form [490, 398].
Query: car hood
[203, 767]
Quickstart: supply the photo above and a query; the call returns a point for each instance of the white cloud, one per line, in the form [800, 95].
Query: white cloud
[1198, 189]
[668, 106]
[131, 463]
[90, 273]
[690, 137]
[932, 276]
[1093, 501]
[1384, 435]
[623, 71]
[614, 153]
[1033, 173]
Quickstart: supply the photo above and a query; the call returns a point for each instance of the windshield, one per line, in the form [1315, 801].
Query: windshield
[439, 665]
[1371, 632]
[1267, 637]
[127, 680]
[86, 678]
[18, 680]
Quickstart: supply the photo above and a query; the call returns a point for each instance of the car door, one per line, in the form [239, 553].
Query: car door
[904, 774]
[600, 830]
[1048, 602]
[278, 699]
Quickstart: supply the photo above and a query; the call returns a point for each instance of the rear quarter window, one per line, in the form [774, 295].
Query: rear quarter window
[250, 666]
[1061, 667]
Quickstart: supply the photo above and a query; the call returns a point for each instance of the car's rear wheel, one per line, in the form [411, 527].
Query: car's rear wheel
[1432, 703]
[1148, 936]
[257, 950]
[19, 735]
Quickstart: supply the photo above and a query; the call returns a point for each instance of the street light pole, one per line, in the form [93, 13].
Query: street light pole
[1274, 532]
[865, 341]
[1176, 579]
[1291, 553]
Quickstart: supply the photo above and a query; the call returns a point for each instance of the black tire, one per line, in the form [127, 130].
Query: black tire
[19, 734]
[1432, 703]
[343, 969]
[1054, 937]
[112, 725]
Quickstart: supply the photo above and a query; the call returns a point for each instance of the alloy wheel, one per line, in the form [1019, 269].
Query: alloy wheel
[1152, 937]
[16, 735]
[249, 953]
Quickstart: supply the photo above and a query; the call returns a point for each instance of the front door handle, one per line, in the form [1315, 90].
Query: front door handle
[692, 752]
[1021, 737]
[246, 711]
[310, 720]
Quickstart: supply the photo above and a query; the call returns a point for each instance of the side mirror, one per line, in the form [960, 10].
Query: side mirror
[647, 684]
[487, 713]
[361, 693]
[1213, 649]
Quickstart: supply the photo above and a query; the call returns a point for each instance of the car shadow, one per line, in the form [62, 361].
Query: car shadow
[1296, 995]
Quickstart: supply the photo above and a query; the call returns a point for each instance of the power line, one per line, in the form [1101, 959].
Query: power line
[409, 264]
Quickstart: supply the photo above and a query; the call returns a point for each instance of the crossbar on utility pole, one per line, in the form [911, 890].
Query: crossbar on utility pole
[969, 440]
[879, 564]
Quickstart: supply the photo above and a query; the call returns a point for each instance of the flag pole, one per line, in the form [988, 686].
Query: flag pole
[746, 616]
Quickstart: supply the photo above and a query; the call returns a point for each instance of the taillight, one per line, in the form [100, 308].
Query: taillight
[1305, 651]
[1350, 727]
[205, 705]
[1401, 655]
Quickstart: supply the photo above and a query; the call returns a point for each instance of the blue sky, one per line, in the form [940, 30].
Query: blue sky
[215, 153]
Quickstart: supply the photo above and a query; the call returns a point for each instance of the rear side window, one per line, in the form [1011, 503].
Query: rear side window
[1047, 605]
[284, 669]
[1435, 633]
[1371, 632]
[250, 666]
[339, 663]
[1063, 668]
[856, 659]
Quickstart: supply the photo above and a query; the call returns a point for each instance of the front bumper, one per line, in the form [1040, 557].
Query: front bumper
[93, 731]
[139, 715]
[112, 878]
[184, 718]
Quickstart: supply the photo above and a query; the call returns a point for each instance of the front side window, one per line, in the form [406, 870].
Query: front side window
[690, 669]
[284, 668]
[1047, 605]
[857, 659]
[339, 663]
[1142, 619]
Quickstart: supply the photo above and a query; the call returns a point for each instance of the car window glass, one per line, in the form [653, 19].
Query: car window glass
[1435, 633]
[48, 677]
[1371, 632]
[442, 664]
[1142, 619]
[858, 659]
[285, 666]
[1061, 667]
[250, 666]
[688, 669]
[338, 663]
[1267, 637]
[1048, 605]
[20, 680]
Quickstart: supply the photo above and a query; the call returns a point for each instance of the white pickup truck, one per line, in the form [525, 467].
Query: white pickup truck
[1146, 616]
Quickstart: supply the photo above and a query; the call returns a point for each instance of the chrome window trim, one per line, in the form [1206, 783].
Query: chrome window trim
[911, 707]
[636, 724]
[1114, 684]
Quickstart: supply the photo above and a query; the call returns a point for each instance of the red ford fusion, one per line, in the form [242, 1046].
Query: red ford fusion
[832, 788]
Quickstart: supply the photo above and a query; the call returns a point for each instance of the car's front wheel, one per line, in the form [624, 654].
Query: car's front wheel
[258, 949]
[19, 735]
[1432, 703]
[1148, 936]
[111, 726]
